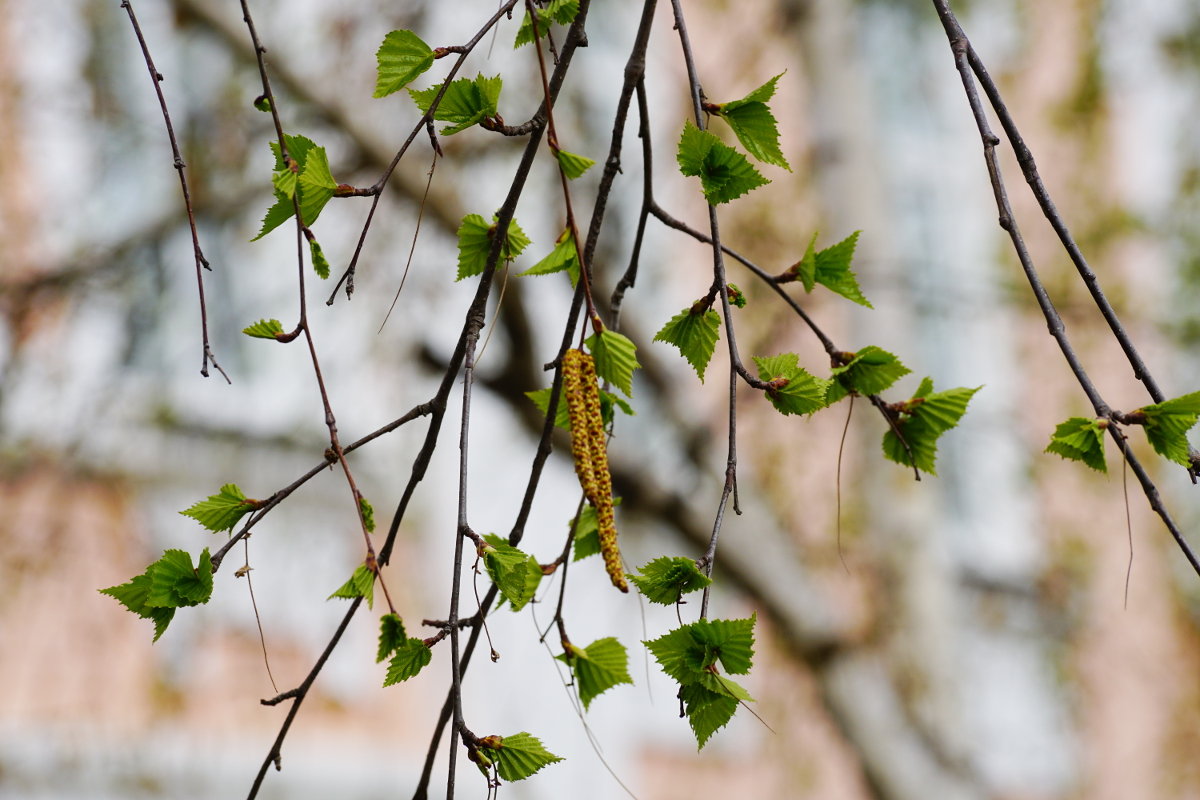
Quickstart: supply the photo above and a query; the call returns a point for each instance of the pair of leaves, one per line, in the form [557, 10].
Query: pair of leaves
[408, 655]
[830, 268]
[167, 584]
[515, 573]
[361, 584]
[597, 668]
[466, 102]
[475, 242]
[754, 124]
[1166, 425]
[221, 511]
[691, 655]
[724, 173]
[793, 389]
[515, 757]
[666, 580]
[869, 371]
[1080, 439]
[559, 11]
[922, 420]
[311, 183]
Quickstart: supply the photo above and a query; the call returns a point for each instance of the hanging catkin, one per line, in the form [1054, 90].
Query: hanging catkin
[590, 451]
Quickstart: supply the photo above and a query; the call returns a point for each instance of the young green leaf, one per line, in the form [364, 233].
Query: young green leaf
[516, 574]
[320, 265]
[730, 641]
[564, 256]
[313, 182]
[401, 58]
[616, 358]
[665, 580]
[922, 420]
[133, 596]
[475, 241]
[409, 659]
[724, 173]
[695, 332]
[707, 711]
[1167, 424]
[1081, 439]
[169, 583]
[573, 165]
[361, 584]
[754, 124]
[541, 399]
[793, 390]
[560, 11]
[264, 329]
[221, 511]
[263, 103]
[391, 636]
[871, 371]
[518, 756]
[587, 533]
[368, 514]
[467, 101]
[833, 270]
[598, 667]
[737, 298]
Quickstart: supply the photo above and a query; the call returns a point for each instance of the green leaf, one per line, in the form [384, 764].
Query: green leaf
[1167, 424]
[665, 580]
[516, 574]
[410, 658]
[221, 511]
[679, 655]
[695, 332]
[133, 596]
[573, 165]
[923, 419]
[320, 265]
[724, 173]
[731, 641]
[707, 711]
[871, 371]
[361, 584]
[616, 359]
[598, 667]
[475, 241]
[263, 103]
[564, 256]
[737, 297]
[754, 124]
[368, 514]
[833, 270]
[391, 636]
[560, 11]
[401, 58]
[519, 756]
[264, 329]
[806, 268]
[169, 583]
[1081, 439]
[313, 182]
[793, 390]
[541, 399]
[467, 101]
[587, 533]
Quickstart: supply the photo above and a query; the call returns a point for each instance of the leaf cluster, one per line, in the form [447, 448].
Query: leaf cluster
[515, 573]
[475, 243]
[167, 584]
[921, 420]
[408, 655]
[666, 580]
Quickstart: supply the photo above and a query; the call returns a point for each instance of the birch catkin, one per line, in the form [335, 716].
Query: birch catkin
[589, 449]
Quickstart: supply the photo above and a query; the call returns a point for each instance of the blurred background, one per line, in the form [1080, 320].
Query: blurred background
[976, 643]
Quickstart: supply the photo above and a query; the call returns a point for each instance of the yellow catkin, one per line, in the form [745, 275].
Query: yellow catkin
[577, 410]
[599, 493]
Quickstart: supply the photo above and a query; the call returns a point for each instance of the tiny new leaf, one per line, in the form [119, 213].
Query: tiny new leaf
[475, 241]
[921, 421]
[368, 514]
[598, 667]
[169, 583]
[516, 574]
[754, 124]
[361, 584]
[695, 332]
[518, 756]
[409, 659]
[561, 11]
[1167, 424]
[587, 533]
[573, 165]
[221, 511]
[665, 580]
[564, 256]
[391, 636]
[724, 173]
[264, 329]
[401, 58]
[1080, 439]
[320, 265]
[616, 358]
[793, 390]
[870, 371]
[467, 101]
[313, 182]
